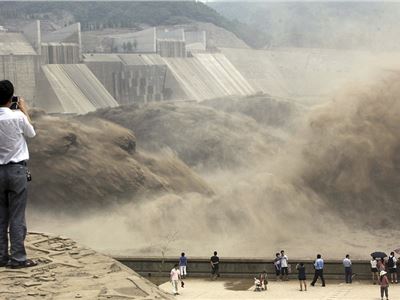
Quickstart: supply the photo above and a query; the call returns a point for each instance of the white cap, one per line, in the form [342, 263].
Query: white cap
[382, 273]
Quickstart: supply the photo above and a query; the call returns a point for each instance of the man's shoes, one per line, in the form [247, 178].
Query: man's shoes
[4, 260]
[312, 284]
[14, 264]
[3, 264]
[323, 285]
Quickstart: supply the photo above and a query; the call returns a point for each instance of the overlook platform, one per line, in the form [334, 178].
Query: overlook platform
[241, 289]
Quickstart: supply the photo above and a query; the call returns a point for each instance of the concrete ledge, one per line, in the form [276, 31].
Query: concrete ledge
[238, 267]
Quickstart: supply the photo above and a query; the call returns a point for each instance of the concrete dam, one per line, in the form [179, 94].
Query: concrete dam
[147, 77]
[53, 73]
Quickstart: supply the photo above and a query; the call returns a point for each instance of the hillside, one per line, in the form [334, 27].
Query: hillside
[123, 14]
[80, 163]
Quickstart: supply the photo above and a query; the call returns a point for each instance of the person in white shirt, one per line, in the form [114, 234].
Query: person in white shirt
[175, 276]
[392, 265]
[319, 270]
[348, 273]
[14, 127]
[374, 270]
[284, 266]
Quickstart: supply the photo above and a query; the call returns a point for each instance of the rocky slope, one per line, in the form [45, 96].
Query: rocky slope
[67, 270]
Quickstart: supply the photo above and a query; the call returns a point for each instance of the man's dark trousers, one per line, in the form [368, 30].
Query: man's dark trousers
[215, 270]
[318, 273]
[348, 274]
[13, 198]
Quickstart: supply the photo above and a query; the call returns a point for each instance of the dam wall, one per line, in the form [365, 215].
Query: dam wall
[259, 69]
[307, 74]
[22, 54]
[134, 78]
[19, 63]
[20, 70]
[315, 73]
[129, 78]
[60, 53]
[239, 267]
[208, 75]
[33, 34]
[71, 89]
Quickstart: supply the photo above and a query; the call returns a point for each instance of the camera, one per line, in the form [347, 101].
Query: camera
[14, 102]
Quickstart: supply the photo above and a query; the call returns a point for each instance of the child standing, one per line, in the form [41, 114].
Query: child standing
[301, 269]
[175, 276]
[384, 283]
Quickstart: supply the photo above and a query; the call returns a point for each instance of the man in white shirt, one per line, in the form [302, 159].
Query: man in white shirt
[284, 266]
[175, 276]
[14, 126]
[319, 270]
[392, 265]
[348, 273]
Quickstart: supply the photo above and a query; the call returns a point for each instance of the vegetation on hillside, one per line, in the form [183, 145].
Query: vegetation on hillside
[98, 15]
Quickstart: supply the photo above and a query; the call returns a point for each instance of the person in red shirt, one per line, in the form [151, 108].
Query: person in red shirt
[384, 283]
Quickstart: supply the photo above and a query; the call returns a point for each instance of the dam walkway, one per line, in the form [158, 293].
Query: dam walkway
[242, 289]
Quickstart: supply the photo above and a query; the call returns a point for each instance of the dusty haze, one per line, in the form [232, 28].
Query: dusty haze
[327, 188]
[316, 169]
